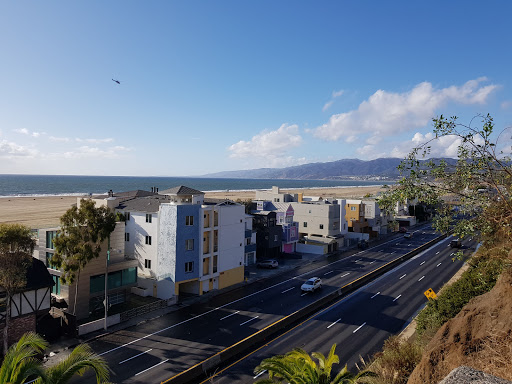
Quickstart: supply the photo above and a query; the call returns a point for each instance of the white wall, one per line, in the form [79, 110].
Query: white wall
[231, 235]
[166, 267]
[137, 247]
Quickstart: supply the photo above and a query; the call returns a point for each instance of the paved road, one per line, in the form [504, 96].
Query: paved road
[159, 349]
[360, 323]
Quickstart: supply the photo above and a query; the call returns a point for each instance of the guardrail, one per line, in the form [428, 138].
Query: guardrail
[203, 368]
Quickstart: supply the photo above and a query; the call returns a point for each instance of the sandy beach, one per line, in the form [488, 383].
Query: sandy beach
[44, 212]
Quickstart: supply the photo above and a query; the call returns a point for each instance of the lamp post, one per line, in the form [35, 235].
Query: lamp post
[106, 285]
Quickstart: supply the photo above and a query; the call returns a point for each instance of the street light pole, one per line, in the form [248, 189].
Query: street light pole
[106, 285]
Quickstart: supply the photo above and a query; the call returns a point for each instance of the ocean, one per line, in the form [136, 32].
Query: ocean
[53, 185]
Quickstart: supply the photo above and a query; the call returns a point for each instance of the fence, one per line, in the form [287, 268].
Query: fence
[142, 310]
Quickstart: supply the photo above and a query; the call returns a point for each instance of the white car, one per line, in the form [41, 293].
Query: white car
[408, 235]
[311, 285]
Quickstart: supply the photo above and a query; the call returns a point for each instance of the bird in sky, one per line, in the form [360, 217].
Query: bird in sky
[116, 81]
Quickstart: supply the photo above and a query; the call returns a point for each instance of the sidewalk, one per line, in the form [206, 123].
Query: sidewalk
[60, 349]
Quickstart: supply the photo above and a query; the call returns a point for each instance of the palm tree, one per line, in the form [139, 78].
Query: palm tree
[20, 363]
[297, 367]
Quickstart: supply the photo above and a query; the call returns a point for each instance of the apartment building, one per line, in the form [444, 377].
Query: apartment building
[250, 241]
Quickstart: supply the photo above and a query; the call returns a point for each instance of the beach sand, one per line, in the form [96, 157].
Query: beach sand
[44, 212]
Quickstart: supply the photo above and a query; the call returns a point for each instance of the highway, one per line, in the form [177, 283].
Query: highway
[360, 323]
[157, 350]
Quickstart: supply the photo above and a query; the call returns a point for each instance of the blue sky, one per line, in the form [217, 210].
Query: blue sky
[210, 86]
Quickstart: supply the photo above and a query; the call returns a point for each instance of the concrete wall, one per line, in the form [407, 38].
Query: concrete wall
[315, 215]
[30, 301]
[231, 277]
[231, 237]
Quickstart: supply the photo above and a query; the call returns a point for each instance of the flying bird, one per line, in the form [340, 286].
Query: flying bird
[116, 81]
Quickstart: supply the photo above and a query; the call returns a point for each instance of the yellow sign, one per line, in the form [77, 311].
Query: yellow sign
[430, 294]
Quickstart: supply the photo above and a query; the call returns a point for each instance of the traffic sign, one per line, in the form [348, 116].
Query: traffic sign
[430, 294]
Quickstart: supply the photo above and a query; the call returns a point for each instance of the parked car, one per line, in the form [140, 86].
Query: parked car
[267, 264]
[311, 285]
[408, 235]
[455, 243]
[402, 230]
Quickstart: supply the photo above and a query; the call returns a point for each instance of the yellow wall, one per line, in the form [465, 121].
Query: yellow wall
[231, 276]
[351, 215]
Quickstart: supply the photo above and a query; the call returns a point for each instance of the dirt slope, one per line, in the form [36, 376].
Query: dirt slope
[480, 336]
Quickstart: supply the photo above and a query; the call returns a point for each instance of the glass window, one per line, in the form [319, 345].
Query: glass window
[127, 236]
[352, 208]
[147, 263]
[56, 287]
[115, 279]
[49, 259]
[148, 240]
[189, 220]
[148, 217]
[97, 283]
[321, 226]
[189, 267]
[130, 275]
[49, 239]
[127, 216]
[189, 244]
[305, 224]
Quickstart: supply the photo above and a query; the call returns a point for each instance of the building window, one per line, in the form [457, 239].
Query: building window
[321, 226]
[189, 220]
[276, 237]
[148, 217]
[189, 267]
[126, 236]
[116, 279]
[189, 244]
[215, 264]
[49, 239]
[352, 208]
[305, 224]
[127, 216]
[56, 286]
[148, 240]
[147, 263]
[49, 260]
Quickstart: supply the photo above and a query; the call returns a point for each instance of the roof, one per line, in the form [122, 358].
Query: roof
[127, 195]
[181, 190]
[143, 204]
[38, 276]
[211, 201]
[282, 207]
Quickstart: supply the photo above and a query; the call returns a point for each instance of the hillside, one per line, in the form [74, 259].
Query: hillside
[384, 168]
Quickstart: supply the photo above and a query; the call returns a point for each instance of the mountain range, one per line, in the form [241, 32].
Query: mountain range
[378, 169]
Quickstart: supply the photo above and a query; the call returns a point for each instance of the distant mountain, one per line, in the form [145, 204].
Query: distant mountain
[384, 168]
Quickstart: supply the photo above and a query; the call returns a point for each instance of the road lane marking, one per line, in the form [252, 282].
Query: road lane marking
[355, 261]
[328, 273]
[259, 374]
[393, 252]
[346, 274]
[287, 290]
[401, 277]
[232, 314]
[375, 295]
[396, 298]
[397, 244]
[333, 323]
[437, 253]
[421, 278]
[305, 293]
[133, 357]
[164, 361]
[423, 262]
[453, 253]
[358, 328]
[372, 262]
[438, 265]
[245, 322]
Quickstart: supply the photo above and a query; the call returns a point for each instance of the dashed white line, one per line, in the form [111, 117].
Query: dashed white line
[375, 295]
[396, 298]
[437, 253]
[346, 274]
[355, 261]
[231, 314]
[326, 273]
[152, 367]
[438, 265]
[401, 277]
[372, 262]
[358, 328]
[393, 252]
[329, 326]
[397, 244]
[421, 278]
[245, 322]
[133, 357]
[259, 374]
[423, 262]
[305, 293]
[287, 290]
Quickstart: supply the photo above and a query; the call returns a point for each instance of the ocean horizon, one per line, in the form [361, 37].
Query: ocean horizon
[58, 185]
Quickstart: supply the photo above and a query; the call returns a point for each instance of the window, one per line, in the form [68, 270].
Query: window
[189, 220]
[352, 208]
[321, 226]
[56, 287]
[50, 235]
[189, 267]
[127, 216]
[305, 224]
[276, 237]
[215, 264]
[148, 240]
[49, 260]
[116, 279]
[189, 244]
[126, 236]
[148, 217]
[147, 263]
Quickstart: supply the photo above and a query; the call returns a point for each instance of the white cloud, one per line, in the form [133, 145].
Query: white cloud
[11, 150]
[93, 152]
[25, 131]
[62, 139]
[507, 104]
[393, 113]
[334, 95]
[327, 105]
[268, 144]
[95, 141]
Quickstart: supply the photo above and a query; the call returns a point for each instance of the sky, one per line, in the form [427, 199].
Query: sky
[210, 86]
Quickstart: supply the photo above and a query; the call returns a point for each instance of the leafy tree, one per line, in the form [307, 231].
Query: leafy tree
[455, 188]
[21, 363]
[79, 239]
[297, 367]
[16, 247]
